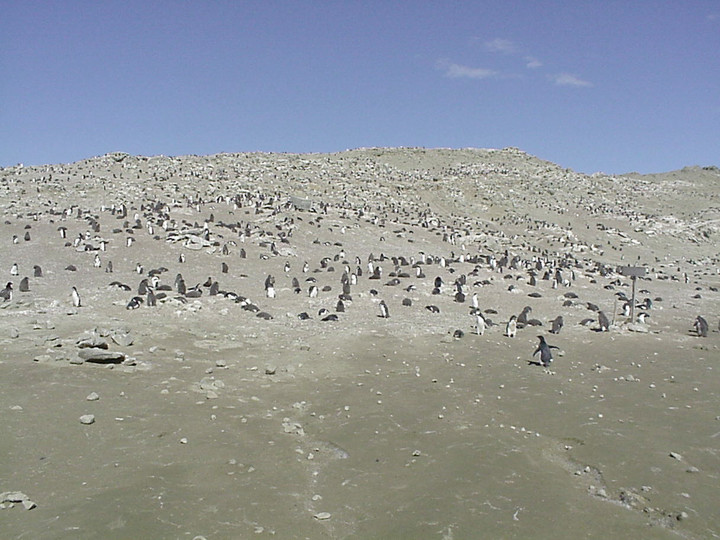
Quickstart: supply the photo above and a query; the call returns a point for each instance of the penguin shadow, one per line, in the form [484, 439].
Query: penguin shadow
[534, 363]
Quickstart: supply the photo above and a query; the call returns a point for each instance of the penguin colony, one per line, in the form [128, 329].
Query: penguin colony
[362, 245]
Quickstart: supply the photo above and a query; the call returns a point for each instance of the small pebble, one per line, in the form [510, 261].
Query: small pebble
[87, 419]
[92, 396]
[322, 515]
[183, 440]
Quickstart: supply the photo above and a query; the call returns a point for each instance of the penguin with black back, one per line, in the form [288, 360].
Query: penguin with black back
[545, 352]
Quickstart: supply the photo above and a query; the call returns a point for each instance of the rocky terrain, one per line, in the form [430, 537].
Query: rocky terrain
[341, 346]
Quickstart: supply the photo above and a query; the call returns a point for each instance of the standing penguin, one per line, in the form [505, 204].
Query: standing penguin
[384, 312]
[545, 353]
[6, 293]
[270, 286]
[76, 298]
[603, 322]
[701, 326]
[511, 327]
[557, 324]
[14, 270]
[480, 323]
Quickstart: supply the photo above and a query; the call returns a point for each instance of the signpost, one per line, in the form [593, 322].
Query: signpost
[632, 272]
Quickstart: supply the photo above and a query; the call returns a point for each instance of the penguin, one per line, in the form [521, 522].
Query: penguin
[433, 309]
[475, 302]
[129, 241]
[511, 327]
[195, 292]
[76, 298]
[109, 268]
[270, 286]
[313, 291]
[545, 352]
[340, 307]
[151, 298]
[641, 317]
[603, 322]
[143, 287]
[25, 285]
[522, 319]
[6, 293]
[384, 312]
[557, 324]
[701, 326]
[480, 323]
[224, 268]
[134, 303]
[37, 271]
[214, 288]
[181, 258]
[139, 268]
[14, 270]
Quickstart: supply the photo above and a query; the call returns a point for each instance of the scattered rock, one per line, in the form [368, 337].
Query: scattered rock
[87, 419]
[14, 497]
[93, 341]
[292, 427]
[99, 356]
[122, 339]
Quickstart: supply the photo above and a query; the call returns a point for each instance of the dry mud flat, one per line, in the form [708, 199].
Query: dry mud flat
[216, 423]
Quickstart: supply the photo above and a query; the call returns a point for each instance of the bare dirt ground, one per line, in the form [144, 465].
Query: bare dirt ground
[214, 422]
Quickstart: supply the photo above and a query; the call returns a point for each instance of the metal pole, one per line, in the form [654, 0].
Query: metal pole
[632, 305]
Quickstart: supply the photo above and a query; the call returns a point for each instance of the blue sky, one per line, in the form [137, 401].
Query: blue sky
[613, 86]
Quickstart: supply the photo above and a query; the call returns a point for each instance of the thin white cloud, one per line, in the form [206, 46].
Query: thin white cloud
[458, 71]
[532, 62]
[499, 45]
[713, 17]
[567, 79]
